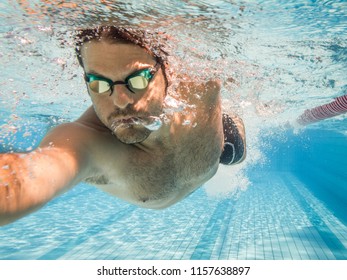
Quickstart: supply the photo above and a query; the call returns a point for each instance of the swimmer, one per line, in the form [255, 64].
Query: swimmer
[128, 143]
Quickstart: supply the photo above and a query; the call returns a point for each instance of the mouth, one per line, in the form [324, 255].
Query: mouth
[129, 120]
[151, 123]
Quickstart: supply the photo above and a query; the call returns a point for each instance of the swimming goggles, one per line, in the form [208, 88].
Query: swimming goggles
[135, 82]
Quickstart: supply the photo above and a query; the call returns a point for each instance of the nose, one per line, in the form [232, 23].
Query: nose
[121, 98]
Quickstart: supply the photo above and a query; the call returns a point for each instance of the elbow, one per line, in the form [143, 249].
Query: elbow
[9, 203]
[13, 201]
[5, 220]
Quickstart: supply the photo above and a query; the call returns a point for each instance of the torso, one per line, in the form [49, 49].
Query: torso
[163, 169]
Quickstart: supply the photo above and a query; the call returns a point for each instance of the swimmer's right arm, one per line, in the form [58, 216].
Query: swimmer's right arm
[29, 180]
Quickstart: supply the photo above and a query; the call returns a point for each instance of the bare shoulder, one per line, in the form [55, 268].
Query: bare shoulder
[81, 139]
[90, 120]
[201, 93]
[76, 133]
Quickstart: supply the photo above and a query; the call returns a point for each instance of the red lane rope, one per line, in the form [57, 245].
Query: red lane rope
[335, 108]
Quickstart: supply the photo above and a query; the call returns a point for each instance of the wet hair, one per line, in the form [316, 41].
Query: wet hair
[147, 40]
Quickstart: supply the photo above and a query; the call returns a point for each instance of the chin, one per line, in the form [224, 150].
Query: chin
[131, 134]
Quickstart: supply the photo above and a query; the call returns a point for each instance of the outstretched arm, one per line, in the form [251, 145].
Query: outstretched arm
[29, 180]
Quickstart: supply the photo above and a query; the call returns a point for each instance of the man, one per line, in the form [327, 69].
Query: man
[129, 143]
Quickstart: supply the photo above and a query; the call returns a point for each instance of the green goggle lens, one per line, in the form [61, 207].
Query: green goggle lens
[138, 82]
[99, 86]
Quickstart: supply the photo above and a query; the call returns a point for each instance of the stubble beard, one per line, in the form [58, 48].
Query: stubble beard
[129, 133]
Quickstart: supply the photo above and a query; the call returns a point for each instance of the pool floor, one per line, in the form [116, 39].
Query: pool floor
[276, 218]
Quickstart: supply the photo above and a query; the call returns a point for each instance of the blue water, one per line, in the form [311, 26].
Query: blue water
[287, 201]
[294, 208]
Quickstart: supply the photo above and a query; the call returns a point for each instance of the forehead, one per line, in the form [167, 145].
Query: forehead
[105, 54]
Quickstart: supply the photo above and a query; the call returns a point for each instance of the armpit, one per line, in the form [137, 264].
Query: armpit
[98, 180]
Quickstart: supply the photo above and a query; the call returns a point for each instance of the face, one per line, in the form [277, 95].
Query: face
[124, 112]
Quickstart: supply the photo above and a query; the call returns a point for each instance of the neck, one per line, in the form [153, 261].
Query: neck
[158, 141]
